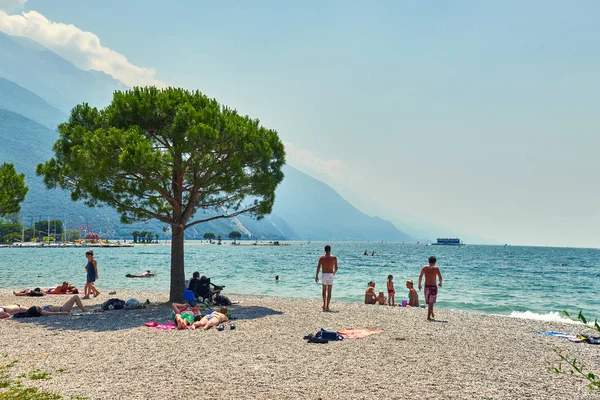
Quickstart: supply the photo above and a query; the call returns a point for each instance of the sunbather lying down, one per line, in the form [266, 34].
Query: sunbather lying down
[18, 311]
[32, 293]
[65, 288]
[185, 316]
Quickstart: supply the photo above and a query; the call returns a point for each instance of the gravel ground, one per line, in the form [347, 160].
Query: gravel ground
[111, 355]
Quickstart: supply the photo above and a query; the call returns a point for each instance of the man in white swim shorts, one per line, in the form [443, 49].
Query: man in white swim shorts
[328, 265]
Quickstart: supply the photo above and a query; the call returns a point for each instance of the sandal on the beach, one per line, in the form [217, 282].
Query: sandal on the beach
[309, 336]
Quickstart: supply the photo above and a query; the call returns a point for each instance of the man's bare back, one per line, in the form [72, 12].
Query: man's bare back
[431, 272]
[328, 264]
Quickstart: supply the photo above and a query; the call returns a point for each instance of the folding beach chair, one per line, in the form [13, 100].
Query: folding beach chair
[203, 291]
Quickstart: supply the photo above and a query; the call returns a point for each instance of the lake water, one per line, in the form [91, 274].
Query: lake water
[485, 279]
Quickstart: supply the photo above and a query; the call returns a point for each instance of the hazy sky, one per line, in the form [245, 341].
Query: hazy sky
[479, 117]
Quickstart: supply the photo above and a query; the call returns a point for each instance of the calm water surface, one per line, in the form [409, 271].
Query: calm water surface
[486, 279]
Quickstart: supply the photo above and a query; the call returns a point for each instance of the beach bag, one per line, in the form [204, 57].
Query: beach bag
[329, 335]
[117, 304]
[221, 300]
[37, 292]
[132, 304]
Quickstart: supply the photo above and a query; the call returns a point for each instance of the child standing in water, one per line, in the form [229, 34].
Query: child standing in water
[391, 291]
[92, 274]
[413, 296]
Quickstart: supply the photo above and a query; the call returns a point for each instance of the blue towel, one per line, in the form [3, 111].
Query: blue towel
[557, 334]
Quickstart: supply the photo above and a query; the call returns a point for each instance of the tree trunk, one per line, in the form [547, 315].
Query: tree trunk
[177, 266]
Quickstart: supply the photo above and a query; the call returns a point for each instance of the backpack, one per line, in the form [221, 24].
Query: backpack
[116, 303]
[221, 300]
[328, 335]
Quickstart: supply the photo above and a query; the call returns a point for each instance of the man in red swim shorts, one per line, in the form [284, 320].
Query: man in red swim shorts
[431, 272]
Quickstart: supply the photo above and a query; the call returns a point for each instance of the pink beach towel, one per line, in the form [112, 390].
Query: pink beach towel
[357, 333]
[169, 326]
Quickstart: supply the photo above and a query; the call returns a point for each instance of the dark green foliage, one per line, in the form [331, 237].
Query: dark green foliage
[54, 226]
[8, 229]
[25, 143]
[235, 235]
[164, 155]
[12, 189]
[143, 236]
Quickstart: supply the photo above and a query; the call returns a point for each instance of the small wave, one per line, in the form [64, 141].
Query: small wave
[550, 317]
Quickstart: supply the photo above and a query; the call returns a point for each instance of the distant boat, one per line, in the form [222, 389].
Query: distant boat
[448, 242]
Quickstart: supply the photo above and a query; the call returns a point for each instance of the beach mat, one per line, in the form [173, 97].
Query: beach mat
[169, 326]
[357, 333]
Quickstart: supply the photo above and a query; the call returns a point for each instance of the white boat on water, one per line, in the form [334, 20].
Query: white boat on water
[448, 242]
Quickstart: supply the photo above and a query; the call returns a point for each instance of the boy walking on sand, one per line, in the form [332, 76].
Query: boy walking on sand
[328, 263]
[430, 271]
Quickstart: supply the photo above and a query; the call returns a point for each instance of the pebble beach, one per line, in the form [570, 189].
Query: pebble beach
[112, 355]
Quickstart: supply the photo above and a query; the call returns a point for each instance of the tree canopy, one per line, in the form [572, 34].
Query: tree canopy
[165, 154]
[235, 235]
[12, 189]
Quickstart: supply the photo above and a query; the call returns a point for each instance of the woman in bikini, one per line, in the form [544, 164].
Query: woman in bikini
[213, 319]
[11, 309]
[370, 296]
[65, 308]
[44, 311]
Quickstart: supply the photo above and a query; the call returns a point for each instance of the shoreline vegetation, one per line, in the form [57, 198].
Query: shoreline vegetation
[473, 355]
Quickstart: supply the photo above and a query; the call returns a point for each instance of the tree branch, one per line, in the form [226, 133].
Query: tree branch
[235, 214]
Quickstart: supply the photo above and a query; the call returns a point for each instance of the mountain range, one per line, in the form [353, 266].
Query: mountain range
[37, 90]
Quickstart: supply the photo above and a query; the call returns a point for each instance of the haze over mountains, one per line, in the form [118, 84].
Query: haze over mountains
[37, 90]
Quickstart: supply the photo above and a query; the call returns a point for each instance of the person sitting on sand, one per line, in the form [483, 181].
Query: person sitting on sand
[380, 298]
[44, 311]
[370, 296]
[413, 296]
[213, 319]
